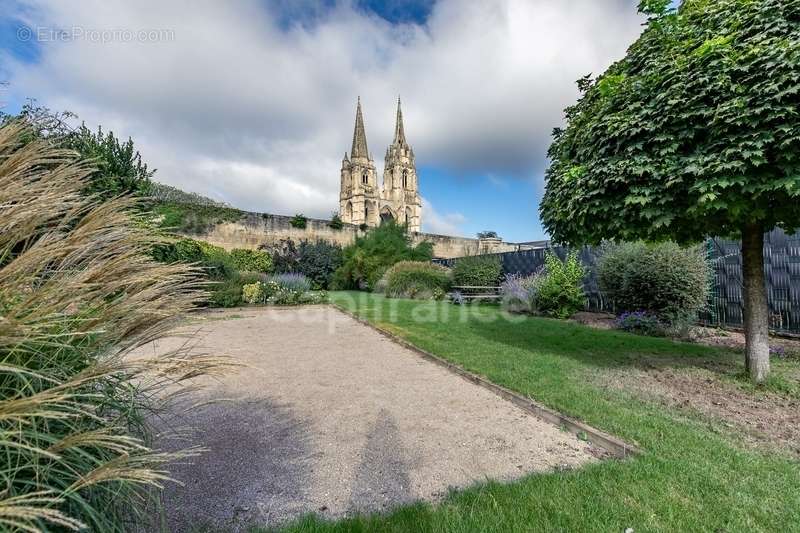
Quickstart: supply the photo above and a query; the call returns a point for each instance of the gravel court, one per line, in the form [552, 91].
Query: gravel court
[330, 416]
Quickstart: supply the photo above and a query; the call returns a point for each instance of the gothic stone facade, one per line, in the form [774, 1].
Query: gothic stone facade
[362, 200]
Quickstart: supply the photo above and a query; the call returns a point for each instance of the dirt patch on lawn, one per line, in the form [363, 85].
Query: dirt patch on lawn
[708, 387]
[595, 320]
[784, 346]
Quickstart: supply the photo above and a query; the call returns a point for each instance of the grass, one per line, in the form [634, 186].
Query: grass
[193, 219]
[692, 476]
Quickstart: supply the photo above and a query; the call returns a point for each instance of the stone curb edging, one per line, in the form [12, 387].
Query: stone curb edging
[614, 446]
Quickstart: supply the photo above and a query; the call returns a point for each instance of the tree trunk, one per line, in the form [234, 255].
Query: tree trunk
[756, 311]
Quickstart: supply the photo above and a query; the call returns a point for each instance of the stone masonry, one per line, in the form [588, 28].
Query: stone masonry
[361, 199]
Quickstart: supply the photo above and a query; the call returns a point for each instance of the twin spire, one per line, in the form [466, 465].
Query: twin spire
[359, 148]
[359, 137]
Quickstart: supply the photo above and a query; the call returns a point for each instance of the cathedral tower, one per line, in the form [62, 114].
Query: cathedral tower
[400, 198]
[359, 196]
[361, 201]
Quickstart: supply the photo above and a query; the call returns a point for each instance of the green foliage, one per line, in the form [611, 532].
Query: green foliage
[365, 261]
[336, 221]
[693, 133]
[193, 219]
[559, 291]
[78, 296]
[478, 270]
[253, 293]
[298, 221]
[251, 260]
[487, 234]
[120, 169]
[229, 291]
[654, 8]
[415, 279]
[163, 193]
[281, 289]
[316, 260]
[226, 293]
[665, 279]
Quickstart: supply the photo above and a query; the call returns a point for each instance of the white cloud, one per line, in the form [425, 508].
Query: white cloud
[441, 223]
[240, 108]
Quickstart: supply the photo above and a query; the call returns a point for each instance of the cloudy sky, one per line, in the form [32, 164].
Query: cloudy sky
[253, 102]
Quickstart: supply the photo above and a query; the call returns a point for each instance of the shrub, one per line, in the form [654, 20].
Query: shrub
[559, 292]
[415, 279]
[336, 221]
[251, 260]
[216, 263]
[518, 293]
[317, 260]
[478, 270]
[667, 280]
[253, 293]
[365, 261]
[291, 281]
[228, 292]
[640, 322]
[79, 292]
[298, 221]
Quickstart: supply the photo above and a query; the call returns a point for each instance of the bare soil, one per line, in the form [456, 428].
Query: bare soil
[707, 387]
[331, 417]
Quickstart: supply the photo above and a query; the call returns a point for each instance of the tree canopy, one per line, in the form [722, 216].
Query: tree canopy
[695, 132]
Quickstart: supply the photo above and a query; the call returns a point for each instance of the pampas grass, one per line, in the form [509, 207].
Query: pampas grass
[78, 293]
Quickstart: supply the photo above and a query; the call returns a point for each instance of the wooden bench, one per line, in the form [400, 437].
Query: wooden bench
[475, 292]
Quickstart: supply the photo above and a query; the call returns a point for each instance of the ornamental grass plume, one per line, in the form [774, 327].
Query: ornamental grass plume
[78, 293]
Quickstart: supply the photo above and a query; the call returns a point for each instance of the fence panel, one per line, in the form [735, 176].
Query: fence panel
[782, 273]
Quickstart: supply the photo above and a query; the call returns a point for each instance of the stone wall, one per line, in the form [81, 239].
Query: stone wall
[255, 230]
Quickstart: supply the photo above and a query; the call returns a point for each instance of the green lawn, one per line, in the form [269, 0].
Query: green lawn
[692, 476]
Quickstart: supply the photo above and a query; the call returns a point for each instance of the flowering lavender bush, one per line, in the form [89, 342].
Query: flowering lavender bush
[283, 289]
[640, 322]
[519, 292]
[777, 351]
[292, 281]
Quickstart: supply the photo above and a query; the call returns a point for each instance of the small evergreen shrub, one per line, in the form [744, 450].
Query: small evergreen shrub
[665, 279]
[298, 221]
[415, 279]
[478, 270]
[559, 293]
[251, 260]
[336, 221]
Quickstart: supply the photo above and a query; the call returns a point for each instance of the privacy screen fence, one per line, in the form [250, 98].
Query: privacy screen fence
[782, 265]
